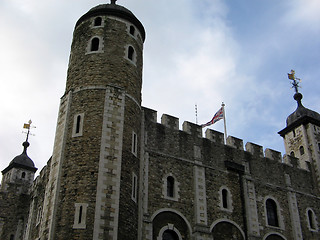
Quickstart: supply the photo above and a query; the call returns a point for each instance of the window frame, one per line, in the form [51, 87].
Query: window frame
[77, 129]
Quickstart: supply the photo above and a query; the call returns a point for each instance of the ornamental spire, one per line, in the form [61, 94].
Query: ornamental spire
[113, 1]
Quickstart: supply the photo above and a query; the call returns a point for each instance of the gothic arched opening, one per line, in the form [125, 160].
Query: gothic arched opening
[226, 231]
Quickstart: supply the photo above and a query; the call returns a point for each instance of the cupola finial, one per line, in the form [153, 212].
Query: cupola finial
[295, 80]
[113, 1]
[28, 126]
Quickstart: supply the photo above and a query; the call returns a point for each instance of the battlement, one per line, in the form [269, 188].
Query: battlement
[172, 123]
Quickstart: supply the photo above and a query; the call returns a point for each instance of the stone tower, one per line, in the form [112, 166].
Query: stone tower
[92, 191]
[15, 188]
[302, 138]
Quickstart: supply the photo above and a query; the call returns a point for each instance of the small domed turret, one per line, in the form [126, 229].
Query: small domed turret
[22, 161]
[301, 113]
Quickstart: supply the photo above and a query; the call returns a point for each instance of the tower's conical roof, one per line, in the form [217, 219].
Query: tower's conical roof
[114, 10]
[22, 161]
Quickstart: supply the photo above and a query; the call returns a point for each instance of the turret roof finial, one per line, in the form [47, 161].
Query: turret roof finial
[295, 80]
[28, 126]
[113, 1]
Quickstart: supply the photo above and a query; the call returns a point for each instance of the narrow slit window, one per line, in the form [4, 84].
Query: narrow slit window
[134, 148]
[132, 30]
[170, 187]
[224, 198]
[134, 187]
[80, 215]
[78, 124]
[97, 21]
[95, 44]
[23, 175]
[130, 53]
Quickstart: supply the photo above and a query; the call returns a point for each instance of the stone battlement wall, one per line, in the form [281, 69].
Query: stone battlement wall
[189, 145]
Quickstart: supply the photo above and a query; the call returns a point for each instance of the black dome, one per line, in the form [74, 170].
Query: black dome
[301, 112]
[114, 10]
[22, 161]
[300, 116]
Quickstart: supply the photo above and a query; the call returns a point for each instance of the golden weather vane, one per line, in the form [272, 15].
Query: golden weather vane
[28, 126]
[295, 80]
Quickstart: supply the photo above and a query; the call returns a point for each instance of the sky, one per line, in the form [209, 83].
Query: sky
[196, 53]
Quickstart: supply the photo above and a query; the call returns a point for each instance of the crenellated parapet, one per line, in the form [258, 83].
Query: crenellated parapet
[234, 148]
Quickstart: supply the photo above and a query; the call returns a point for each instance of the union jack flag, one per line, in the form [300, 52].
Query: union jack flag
[216, 118]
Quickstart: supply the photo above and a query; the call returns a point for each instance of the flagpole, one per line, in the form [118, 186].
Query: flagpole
[224, 123]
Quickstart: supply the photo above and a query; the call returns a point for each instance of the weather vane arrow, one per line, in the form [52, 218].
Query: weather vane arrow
[28, 126]
[295, 80]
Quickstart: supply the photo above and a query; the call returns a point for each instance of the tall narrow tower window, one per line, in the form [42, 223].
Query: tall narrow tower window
[77, 125]
[134, 187]
[134, 147]
[224, 198]
[170, 186]
[95, 44]
[272, 214]
[97, 21]
[132, 30]
[80, 215]
[130, 53]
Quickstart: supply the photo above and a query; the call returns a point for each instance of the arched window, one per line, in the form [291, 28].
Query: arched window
[11, 237]
[170, 235]
[311, 220]
[301, 149]
[95, 44]
[132, 30]
[97, 21]
[23, 175]
[272, 214]
[224, 196]
[292, 154]
[170, 186]
[131, 53]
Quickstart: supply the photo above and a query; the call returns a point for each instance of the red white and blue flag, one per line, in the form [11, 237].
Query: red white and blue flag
[218, 116]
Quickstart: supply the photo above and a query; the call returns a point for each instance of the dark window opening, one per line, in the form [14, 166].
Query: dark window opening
[78, 124]
[294, 132]
[23, 175]
[80, 214]
[95, 44]
[169, 235]
[130, 53]
[225, 198]
[132, 30]
[170, 186]
[292, 154]
[97, 21]
[301, 149]
[272, 215]
[310, 219]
